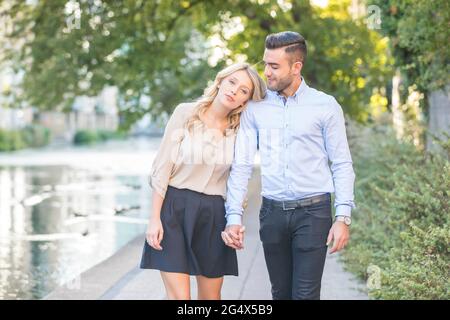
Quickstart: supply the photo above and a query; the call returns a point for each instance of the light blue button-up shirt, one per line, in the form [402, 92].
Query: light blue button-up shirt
[298, 136]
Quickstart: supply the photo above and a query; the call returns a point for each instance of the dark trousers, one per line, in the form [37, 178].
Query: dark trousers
[294, 243]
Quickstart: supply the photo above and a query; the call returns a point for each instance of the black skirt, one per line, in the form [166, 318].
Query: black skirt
[192, 243]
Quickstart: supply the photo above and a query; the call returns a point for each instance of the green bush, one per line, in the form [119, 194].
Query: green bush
[419, 268]
[30, 137]
[11, 140]
[85, 137]
[402, 216]
[108, 135]
[89, 136]
[36, 136]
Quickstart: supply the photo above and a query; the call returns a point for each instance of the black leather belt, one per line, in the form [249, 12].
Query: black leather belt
[293, 204]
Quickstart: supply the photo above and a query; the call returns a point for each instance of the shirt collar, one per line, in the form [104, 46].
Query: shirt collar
[301, 89]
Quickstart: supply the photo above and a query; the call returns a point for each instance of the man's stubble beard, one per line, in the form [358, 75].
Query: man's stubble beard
[282, 84]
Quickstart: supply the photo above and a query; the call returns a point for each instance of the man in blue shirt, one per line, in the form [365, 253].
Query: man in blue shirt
[299, 130]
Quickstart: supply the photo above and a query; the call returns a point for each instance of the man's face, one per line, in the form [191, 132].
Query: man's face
[277, 69]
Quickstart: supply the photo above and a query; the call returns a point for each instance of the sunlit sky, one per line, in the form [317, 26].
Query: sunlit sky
[320, 3]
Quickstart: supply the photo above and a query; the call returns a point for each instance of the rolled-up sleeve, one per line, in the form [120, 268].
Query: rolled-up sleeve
[166, 156]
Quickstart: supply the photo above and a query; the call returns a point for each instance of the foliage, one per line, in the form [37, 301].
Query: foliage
[419, 33]
[36, 136]
[90, 136]
[402, 221]
[30, 136]
[419, 269]
[156, 52]
[345, 58]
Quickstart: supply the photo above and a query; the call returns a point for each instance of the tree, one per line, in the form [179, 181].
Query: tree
[156, 52]
[71, 48]
[419, 34]
[345, 58]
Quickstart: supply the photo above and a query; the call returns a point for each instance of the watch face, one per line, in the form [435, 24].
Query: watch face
[347, 220]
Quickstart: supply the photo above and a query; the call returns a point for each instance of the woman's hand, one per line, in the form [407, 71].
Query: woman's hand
[154, 234]
[233, 236]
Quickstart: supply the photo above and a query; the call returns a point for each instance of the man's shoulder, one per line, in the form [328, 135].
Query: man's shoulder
[323, 101]
[320, 97]
[251, 105]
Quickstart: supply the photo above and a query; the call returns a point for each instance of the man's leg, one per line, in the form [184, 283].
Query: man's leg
[310, 230]
[277, 250]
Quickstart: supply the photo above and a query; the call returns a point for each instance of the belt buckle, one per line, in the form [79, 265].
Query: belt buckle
[307, 202]
[287, 208]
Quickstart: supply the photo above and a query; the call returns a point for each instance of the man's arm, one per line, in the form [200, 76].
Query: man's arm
[241, 169]
[338, 151]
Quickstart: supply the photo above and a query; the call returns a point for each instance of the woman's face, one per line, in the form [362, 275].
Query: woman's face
[235, 90]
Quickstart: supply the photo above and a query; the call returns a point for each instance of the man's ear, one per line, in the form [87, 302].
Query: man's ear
[298, 66]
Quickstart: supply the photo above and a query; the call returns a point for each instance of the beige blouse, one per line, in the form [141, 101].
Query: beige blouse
[199, 160]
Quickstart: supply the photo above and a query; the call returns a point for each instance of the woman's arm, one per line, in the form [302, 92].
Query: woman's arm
[155, 230]
[160, 175]
[157, 201]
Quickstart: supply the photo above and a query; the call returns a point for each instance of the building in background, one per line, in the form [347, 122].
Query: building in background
[88, 113]
[12, 118]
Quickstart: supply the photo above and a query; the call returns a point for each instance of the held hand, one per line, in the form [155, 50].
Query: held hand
[154, 234]
[339, 234]
[233, 236]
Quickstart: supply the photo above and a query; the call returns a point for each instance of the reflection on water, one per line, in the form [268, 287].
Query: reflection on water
[57, 221]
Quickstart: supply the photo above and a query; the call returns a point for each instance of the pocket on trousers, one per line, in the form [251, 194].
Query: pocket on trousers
[270, 226]
[320, 217]
[264, 211]
[319, 210]
[268, 233]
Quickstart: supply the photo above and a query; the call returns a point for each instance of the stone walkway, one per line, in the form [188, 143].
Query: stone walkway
[119, 277]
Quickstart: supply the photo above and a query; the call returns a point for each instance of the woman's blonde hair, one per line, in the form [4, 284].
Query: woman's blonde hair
[202, 104]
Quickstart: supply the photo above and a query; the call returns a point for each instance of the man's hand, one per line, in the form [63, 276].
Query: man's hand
[339, 234]
[233, 236]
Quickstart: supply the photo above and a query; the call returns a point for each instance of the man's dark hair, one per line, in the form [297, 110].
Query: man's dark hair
[294, 42]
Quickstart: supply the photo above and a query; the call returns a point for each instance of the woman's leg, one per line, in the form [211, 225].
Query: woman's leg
[209, 288]
[177, 285]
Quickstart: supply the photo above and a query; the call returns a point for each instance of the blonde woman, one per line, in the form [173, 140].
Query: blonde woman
[189, 177]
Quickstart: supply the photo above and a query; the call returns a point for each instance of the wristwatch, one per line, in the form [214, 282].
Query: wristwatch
[344, 219]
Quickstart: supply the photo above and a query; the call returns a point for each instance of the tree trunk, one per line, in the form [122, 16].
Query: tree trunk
[398, 118]
[439, 117]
